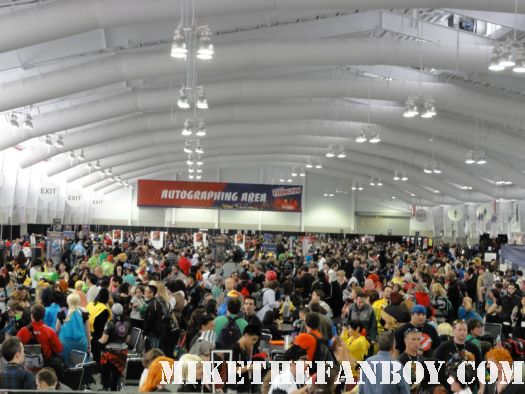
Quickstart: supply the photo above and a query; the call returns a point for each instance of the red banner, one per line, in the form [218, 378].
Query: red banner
[246, 196]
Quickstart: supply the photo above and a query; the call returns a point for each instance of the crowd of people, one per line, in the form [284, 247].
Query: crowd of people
[327, 299]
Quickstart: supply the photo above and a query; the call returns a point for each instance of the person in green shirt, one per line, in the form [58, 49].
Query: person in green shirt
[233, 309]
[94, 261]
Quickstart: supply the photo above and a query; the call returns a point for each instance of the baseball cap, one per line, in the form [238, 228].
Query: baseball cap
[419, 309]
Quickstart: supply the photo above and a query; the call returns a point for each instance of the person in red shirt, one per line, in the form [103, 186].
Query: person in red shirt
[184, 264]
[45, 336]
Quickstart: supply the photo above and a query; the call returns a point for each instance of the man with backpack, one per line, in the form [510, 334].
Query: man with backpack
[37, 333]
[229, 328]
[113, 358]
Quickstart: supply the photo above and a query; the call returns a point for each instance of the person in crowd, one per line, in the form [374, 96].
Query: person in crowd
[39, 333]
[46, 380]
[356, 344]
[319, 296]
[497, 355]
[428, 332]
[114, 342]
[242, 351]
[73, 328]
[249, 311]
[14, 376]
[149, 356]
[99, 315]
[363, 312]
[445, 332]
[269, 301]
[221, 322]
[153, 328]
[308, 340]
[205, 335]
[507, 303]
[153, 379]
[138, 307]
[284, 382]
[467, 312]
[91, 281]
[386, 348]
[475, 331]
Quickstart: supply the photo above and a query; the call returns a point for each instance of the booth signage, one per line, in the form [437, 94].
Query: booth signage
[244, 196]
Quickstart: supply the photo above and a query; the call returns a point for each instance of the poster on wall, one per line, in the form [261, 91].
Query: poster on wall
[157, 239]
[200, 239]
[245, 196]
[118, 236]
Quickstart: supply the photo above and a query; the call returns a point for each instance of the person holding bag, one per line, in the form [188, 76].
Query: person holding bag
[73, 329]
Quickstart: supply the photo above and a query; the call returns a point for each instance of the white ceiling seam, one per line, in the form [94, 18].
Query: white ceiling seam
[241, 132]
[506, 145]
[447, 96]
[239, 56]
[38, 24]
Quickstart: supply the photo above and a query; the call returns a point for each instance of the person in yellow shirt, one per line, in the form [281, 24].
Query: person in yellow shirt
[356, 344]
[381, 304]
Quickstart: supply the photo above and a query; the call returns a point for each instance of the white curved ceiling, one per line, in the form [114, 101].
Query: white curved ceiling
[288, 79]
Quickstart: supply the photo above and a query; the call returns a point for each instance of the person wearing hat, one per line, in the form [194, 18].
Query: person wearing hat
[429, 335]
[115, 349]
[269, 302]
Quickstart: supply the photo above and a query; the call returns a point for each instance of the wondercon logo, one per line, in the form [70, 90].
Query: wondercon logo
[391, 372]
[285, 191]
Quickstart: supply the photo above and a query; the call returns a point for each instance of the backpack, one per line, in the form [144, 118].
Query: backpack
[244, 290]
[121, 329]
[323, 352]
[516, 347]
[259, 299]
[34, 359]
[230, 334]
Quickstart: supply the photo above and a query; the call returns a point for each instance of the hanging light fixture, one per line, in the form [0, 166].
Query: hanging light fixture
[199, 149]
[410, 108]
[198, 177]
[428, 168]
[205, 48]
[199, 161]
[429, 110]
[202, 102]
[470, 157]
[48, 141]
[318, 165]
[375, 139]
[404, 177]
[187, 128]
[191, 170]
[372, 181]
[183, 102]
[28, 122]
[506, 58]
[520, 62]
[13, 120]
[71, 155]
[496, 59]
[309, 164]
[81, 155]
[360, 188]
[361, 138]
[188, 148]
[59, 143]
[191, 176]
[302, 173]
[341, 154]
[190, 160]
[179, 49]
[97, 165]
[481, 158]
[354, 187]
[201, 129]
[294, 172]
[436, 169]
[281, 179]
[396, 176]
[330, 152]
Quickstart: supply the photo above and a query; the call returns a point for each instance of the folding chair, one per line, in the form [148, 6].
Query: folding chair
[134, 365]
[493, 329]
[80, 374]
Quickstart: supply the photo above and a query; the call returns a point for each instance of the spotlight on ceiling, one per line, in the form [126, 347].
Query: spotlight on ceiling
[48, 141]
[318, 165]
[201, 129]
[404, 177]
[294, 172]
[59, 143]
[470, 158]
[410, 108]
[341, 154]
[183, 102]
[361, 138]
[481, 158]
[427, 169]
[28, 122]
[81, 156]
[330, 152]
[436, 169]
[205, 49]
[375, 139]
[187, 128]
[202, 102]
[429, 110]
[309, 164]
[97, 165]
[179, 49]
[13, 120]
[302, 172]
[396, 176]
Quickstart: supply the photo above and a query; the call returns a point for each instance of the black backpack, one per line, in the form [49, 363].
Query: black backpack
[322, 351]
[230, 334]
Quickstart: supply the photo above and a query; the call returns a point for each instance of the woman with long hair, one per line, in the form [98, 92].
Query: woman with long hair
[518, 319]
[73, 328]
